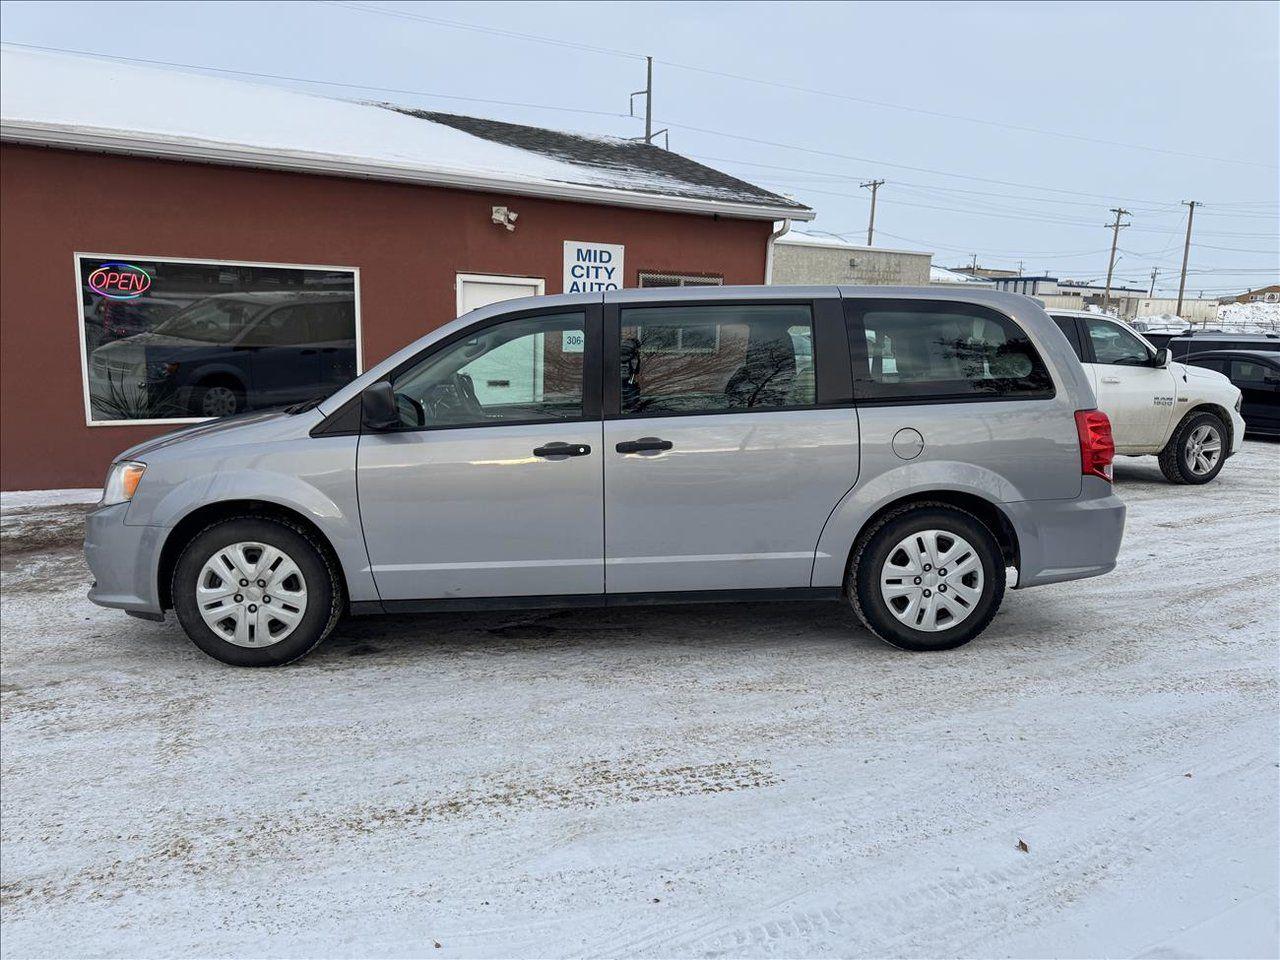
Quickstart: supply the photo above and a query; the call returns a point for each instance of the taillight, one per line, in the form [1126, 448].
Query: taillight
[1097, 446]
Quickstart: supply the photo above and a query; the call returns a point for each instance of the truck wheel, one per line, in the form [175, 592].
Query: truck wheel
[927, 577]
[256, 592]
[1196, 451]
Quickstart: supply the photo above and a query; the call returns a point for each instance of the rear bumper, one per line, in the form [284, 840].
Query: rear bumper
[1068, 539]
[124, 561]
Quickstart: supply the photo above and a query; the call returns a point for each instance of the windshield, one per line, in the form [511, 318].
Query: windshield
[212, 321]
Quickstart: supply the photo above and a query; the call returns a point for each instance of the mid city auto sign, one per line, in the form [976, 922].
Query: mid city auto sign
[592, 266]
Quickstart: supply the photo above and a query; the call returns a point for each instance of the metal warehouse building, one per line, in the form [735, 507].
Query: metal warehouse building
[177, 246]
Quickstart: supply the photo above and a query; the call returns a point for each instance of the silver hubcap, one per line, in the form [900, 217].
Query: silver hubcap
[1203, 449]
[932, 580]
[251, 594]
[218, 402]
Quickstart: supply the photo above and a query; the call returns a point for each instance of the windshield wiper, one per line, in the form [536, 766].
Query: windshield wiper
[304, 406]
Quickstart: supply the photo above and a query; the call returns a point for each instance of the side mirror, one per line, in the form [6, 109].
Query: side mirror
[378, 411]
[1163, 358]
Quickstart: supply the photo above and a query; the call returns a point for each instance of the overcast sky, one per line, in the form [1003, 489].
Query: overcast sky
[1002, 129]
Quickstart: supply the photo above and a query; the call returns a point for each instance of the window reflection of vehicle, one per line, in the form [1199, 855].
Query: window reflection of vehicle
[229, 353]
[108, 320]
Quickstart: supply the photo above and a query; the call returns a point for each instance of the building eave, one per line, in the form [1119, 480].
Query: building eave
[100, 140]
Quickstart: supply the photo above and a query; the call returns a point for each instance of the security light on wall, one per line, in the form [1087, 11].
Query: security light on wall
[506, 217]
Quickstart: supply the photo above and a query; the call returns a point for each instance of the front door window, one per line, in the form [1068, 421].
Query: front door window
[526, 370]
[1114, 344]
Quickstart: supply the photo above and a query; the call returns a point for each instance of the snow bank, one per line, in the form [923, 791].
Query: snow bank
[26, 499]
[1265, 316]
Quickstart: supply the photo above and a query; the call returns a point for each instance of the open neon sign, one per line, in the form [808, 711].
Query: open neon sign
[119, 281]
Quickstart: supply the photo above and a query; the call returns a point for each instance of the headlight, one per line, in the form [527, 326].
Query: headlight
[1239, 400]
[122, 482]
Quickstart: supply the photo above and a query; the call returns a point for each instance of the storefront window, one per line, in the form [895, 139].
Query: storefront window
[177, 340]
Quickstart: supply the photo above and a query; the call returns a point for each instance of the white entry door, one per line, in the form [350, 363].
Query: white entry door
[514, 373]
[481, 289]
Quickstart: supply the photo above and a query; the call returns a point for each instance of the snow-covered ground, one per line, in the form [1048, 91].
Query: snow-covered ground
[1262, 316]
[752, 780]
[1232, 317]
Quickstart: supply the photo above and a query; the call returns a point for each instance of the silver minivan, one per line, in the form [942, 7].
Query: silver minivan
[898, 448]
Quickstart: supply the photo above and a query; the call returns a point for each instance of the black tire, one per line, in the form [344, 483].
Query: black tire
[1176, 458]
[325, 593]
[878, 543]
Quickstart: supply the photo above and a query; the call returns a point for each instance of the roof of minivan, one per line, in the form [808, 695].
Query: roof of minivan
[629, 295]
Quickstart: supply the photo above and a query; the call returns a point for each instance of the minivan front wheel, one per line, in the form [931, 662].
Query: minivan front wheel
[256, 592]
[927, 577]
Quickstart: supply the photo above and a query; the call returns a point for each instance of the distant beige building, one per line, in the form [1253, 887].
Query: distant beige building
[811, 258]
[1270, 294]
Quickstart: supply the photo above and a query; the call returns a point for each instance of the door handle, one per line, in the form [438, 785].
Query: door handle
[644, 445]
[561, 451]
[1110, 379]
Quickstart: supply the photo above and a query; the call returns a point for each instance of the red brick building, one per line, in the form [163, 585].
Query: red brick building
[176, 246]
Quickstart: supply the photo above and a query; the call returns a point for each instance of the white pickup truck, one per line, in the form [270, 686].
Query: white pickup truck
[1187, 416]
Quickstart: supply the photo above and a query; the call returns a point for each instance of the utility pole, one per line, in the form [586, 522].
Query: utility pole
[648, 99]
[1154, 272]
[1115, 241]
[1019, 268]
[1186, 252]
[873, 185]
[974, 269]
[650, 134]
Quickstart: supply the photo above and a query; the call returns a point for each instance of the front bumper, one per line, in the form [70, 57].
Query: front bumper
[1068, 539]
[124, 561]
[1237, 432]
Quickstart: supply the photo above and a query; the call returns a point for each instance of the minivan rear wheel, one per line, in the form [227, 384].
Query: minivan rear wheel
[927, 577]
[256, 591]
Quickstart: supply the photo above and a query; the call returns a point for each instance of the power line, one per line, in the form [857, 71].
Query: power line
[903, 166]
[997, 253]
[841, 177]
[744, 78]
[327, 83]
[617, 115]
[910, 187]
[1004, 213]
[494, 31]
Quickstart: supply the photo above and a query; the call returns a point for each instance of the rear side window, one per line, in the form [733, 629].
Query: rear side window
[715, 359]
[1209, 363]
[1068, 327]
[1251, 373]
[943, 351]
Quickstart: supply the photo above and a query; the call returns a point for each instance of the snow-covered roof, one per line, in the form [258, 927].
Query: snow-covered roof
[943, 275]
[90, 103]
[809, 238]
